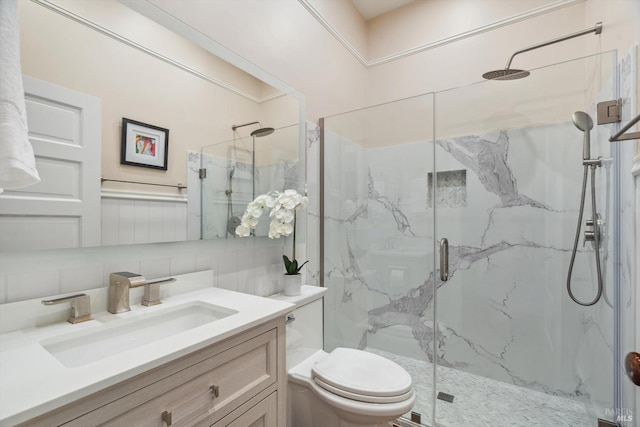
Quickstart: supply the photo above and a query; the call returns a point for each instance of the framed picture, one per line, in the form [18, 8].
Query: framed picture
[144, 145]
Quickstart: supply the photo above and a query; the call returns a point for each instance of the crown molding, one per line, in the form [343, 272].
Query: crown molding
[437, 43]
[129, 42]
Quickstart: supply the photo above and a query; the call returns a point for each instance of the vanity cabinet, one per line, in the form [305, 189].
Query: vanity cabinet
[263, 414]
[240, 381]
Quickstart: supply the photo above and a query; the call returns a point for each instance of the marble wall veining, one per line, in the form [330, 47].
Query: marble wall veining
[514, 317]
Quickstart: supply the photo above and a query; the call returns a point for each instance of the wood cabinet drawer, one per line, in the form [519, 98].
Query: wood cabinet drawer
[187, 396]
[263, 414]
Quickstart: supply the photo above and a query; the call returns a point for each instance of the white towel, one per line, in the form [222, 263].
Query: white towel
[17, 162]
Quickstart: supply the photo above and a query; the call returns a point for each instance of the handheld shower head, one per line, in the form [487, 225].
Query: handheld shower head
[583, 121]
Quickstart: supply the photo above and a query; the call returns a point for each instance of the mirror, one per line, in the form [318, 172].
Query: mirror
[103, 62]
[243, 168]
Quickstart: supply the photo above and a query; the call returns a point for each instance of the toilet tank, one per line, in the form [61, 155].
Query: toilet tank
[304, 324]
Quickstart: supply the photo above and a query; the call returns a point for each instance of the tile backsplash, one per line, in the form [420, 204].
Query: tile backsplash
[247, 265]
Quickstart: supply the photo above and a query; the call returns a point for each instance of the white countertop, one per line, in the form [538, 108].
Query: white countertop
[307, 294]
[33, 382]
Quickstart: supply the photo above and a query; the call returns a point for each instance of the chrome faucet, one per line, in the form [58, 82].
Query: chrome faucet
[80, 307]
[119, 285]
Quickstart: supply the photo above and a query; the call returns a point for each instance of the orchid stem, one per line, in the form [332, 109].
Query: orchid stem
[293, 253]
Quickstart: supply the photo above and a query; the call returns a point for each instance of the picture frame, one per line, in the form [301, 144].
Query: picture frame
[144, 145]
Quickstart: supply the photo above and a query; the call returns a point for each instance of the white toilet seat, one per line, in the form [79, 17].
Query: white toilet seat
[362, 376]
[364, 407]
[373, 410]
[363, 398]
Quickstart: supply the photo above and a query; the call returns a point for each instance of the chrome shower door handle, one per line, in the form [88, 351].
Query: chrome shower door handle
[444, 259]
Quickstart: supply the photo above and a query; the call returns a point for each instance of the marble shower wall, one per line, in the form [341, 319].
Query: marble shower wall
[504, 313]
[378, 247]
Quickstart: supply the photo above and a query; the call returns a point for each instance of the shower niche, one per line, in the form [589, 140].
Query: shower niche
[450, 188]
[232, 173]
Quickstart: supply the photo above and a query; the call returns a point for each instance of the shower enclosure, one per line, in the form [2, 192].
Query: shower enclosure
[496, 169]
[244, 167]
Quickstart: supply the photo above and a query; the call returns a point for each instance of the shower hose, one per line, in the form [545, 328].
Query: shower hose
[596, 228]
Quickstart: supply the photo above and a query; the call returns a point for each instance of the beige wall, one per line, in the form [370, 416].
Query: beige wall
[463, 62]
[421, 22]
[141, 87]
[347, 21]
[283, 39]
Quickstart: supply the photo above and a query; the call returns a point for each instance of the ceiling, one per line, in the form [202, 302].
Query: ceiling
[371, 8]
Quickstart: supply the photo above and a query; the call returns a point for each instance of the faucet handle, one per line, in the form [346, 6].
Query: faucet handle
[80, 307]
[152, 291]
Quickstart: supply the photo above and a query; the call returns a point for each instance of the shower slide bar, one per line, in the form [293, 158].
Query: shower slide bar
[179, 186]
[622, 136]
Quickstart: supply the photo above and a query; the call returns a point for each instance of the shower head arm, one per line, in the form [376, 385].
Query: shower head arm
[234, 127]
[597, 29]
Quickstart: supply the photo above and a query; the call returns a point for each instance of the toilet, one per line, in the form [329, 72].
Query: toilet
[343, 388]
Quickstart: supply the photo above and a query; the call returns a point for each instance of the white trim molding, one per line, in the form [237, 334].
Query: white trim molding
[143, 195]
[437, 43]
[103, 30]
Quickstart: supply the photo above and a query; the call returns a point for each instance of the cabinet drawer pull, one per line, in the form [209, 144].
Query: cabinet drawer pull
[166, 417]
[215, 390]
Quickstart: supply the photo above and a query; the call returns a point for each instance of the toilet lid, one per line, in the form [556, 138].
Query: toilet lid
[363, 376]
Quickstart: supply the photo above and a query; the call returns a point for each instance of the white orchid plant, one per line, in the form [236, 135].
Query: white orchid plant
[283, 220]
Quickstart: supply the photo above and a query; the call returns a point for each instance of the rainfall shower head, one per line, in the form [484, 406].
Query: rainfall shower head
[584, 122]
[262, 132]
[258, 132]
[512, 74]
[506, 74]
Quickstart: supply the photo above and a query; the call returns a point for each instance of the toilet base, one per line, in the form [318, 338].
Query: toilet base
[306, 410]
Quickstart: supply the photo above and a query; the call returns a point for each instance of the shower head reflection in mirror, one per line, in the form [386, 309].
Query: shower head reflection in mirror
[233, 221]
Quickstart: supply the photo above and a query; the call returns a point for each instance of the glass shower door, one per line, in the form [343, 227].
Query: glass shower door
[378, 235]
[512, 348]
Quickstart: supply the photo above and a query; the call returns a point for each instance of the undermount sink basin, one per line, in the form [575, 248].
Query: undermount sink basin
[122, 335]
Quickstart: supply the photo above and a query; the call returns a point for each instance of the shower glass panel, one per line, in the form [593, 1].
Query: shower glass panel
[512, 348]
[378, 233]
[240, 169]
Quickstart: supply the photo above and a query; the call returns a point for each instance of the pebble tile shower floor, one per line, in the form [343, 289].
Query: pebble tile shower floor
[484, 402]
